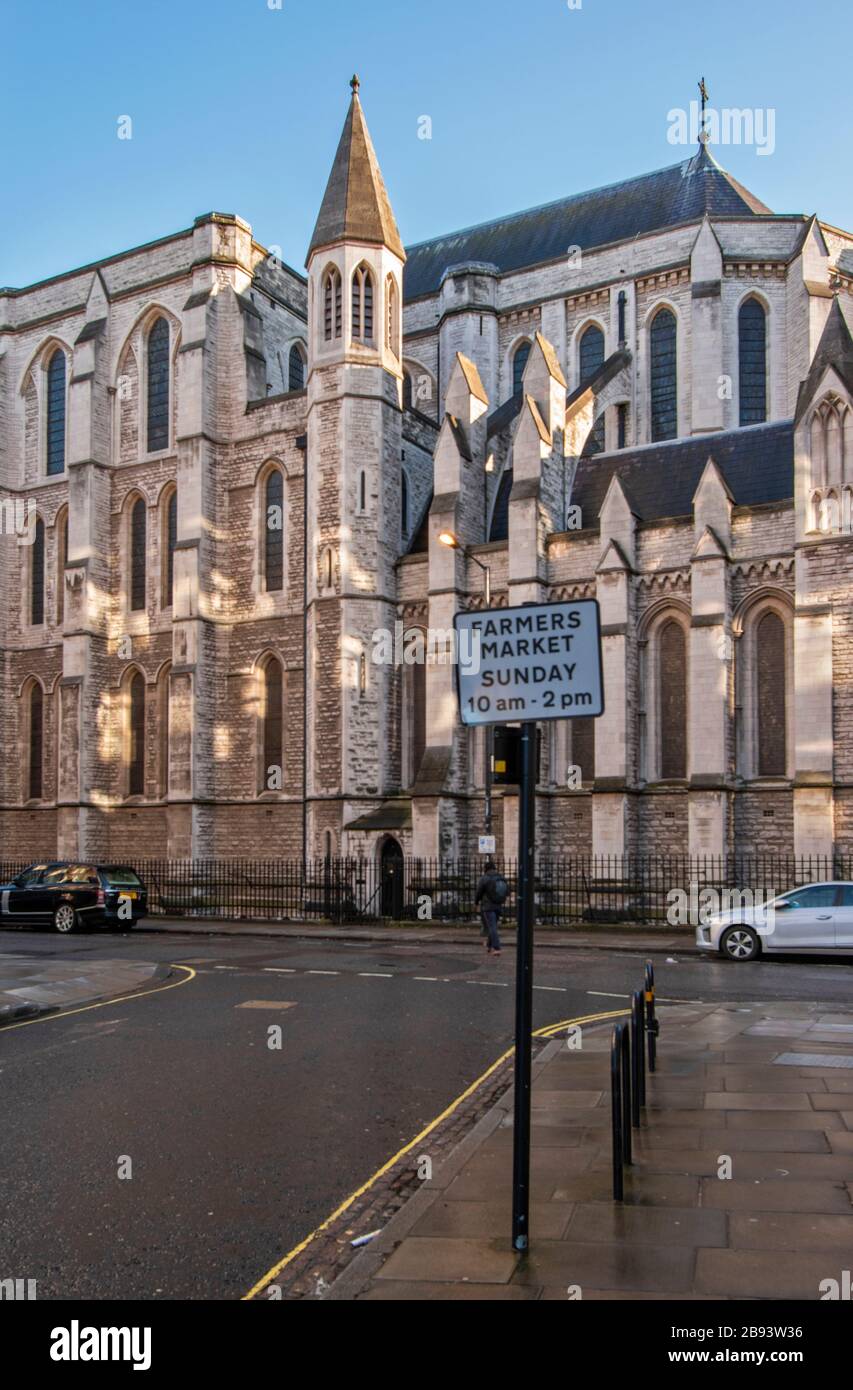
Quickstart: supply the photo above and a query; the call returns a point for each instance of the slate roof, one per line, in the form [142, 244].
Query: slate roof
[660, 480]
[356, 206]
[680, 193]
[845, 261]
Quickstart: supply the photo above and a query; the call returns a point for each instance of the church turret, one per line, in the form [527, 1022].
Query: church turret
[355, 269]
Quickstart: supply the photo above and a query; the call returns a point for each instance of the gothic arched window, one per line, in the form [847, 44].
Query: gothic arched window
[590, 352]
[332, 304]
[519, 362]
[771, 695]
[672, 700]
[138, 556]
[752, 362]
[158, 386]
[296, 369]
[37, 575]
[272, 726]
[56, 413]
[274, 531]
[590, 358]
[35, 752]
[136, 735]
[663, 375]
[170, 541]
[362, 305]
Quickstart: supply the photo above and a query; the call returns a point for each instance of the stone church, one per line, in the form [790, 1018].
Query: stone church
[220, 479]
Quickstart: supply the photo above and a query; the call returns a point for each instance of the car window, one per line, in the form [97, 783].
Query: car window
[822, 895]
[120, 878]
[58, 874]
[30, 876]
[81, 873]
[847, 895]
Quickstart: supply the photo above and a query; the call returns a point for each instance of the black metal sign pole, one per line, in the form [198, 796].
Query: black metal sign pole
[524, 990]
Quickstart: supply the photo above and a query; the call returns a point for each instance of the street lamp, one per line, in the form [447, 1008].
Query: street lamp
[452, 541]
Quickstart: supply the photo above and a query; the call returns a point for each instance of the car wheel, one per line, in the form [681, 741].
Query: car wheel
[740, 943]
[65, 918]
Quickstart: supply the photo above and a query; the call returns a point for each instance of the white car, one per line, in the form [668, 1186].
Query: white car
[816, 918]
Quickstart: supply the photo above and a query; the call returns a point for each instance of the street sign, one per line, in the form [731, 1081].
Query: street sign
[520, 665]
[487, 844]
[538, 661]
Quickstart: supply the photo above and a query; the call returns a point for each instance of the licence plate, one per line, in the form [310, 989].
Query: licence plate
[128, 893]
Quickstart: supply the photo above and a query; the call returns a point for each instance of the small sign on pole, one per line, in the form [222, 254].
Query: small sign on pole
[487, 844]
[520, 665]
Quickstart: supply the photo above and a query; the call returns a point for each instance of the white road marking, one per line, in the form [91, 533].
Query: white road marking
[554, 989]
[278, 970]
[603, 994]
[322, 972]
[374, 975]
[432, 979]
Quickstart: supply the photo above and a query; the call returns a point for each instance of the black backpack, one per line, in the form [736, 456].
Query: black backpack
[499, 889]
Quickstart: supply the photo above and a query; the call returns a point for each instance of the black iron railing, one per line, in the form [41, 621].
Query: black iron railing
[570, 890]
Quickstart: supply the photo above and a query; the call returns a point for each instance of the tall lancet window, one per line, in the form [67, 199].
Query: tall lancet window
[664, 375]
[672, 694]
[590, 358]
[35, 767]
[138, 555]
[332, 305]
[136, 736]
[362, 305]
[752, 362]
[37, 575]
[296, 369]
[274, 532]
[158, 386]
[272, 725]
[771, 695]
[519, 362]
[56, 413]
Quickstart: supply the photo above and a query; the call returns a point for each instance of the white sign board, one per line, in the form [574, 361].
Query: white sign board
[538, 661]
[487, 844]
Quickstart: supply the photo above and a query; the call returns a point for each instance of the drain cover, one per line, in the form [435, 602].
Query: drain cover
[813, 1059]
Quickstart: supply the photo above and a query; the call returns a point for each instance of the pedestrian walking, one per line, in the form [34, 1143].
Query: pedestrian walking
[492, 893]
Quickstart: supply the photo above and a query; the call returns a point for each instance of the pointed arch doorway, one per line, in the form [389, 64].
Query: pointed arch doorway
[391, 879]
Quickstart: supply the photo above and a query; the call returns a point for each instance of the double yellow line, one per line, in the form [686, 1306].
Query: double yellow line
[547, 1032]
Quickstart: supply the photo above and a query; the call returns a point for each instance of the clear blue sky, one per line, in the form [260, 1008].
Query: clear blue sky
[238, 107]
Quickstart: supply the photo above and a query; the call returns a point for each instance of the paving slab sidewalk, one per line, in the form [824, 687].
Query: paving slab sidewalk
[741, 1186]
[606, 937]
[31, 986]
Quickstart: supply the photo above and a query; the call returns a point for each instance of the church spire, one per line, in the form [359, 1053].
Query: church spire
[356, 205]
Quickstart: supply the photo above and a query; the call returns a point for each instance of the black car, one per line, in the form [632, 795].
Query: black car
[70, 894]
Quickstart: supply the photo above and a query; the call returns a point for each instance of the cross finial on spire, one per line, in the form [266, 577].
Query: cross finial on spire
[703, 132]
[355, 84]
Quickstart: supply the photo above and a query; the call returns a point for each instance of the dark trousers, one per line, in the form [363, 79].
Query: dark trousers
[490, 916]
